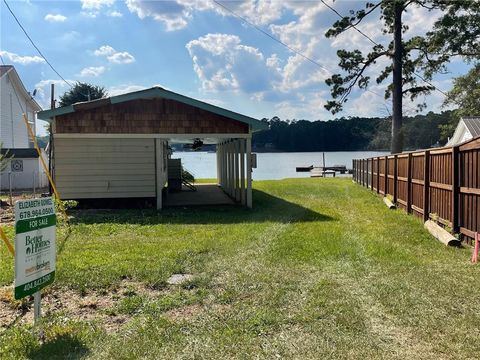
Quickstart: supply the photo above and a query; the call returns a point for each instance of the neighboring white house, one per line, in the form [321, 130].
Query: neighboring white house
[14, 100]
[467, 129]
[24, 170]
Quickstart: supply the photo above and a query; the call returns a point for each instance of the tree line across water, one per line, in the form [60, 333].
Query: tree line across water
[347, 134]
[355, 133]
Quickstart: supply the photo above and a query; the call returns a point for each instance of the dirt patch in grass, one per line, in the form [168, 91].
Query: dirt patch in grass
[97, 306]
[186, 312]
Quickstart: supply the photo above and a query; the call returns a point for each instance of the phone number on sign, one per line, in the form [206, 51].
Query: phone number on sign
[36, 212]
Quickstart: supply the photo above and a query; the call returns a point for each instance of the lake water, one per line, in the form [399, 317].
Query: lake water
[272, 166]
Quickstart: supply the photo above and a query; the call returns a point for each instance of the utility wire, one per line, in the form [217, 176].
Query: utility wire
[287, 46]
[375, 43]
[34, 45]
[272, 37]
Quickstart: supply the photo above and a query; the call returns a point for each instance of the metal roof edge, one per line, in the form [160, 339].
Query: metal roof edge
[47, 115]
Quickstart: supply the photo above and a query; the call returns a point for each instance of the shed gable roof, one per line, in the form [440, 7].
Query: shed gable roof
[473, 125]
[154, 92]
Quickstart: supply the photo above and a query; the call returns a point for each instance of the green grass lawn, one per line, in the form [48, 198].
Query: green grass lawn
[319, 269]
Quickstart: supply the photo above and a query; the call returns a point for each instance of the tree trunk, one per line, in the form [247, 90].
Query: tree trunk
[397, 136]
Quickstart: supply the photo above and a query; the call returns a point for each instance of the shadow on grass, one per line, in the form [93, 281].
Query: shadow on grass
[64, 346]
[266, 208]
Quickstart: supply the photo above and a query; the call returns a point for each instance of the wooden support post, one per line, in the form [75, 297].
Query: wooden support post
[220, 152]
[243, 198]
[395, 176]
[222, 165]
[426, 187]
[409, 183]
[230, 168]
[159, 172]
[217, 153]
[236, 175]
[249, 172]
[224, 155]
[455, 188]
[385, 189]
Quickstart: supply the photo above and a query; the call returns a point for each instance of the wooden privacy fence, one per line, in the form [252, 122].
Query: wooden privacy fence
[441, 184]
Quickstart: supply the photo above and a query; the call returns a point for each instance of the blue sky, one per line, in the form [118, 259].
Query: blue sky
[198, 49]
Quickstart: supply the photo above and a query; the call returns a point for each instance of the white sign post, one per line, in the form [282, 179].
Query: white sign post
[35, 250]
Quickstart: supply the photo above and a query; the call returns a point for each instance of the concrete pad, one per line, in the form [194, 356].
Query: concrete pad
[206, 194]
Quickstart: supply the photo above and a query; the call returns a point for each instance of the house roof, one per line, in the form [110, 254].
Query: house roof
[154, 92]
[4, 69]
[20, 153]
[9, 70]
[473, 125]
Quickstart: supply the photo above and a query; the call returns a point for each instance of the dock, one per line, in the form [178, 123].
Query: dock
[324, 171]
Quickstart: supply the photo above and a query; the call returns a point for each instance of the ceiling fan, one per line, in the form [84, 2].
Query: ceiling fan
[197, 145]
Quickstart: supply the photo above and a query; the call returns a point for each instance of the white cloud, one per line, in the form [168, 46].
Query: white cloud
[114, 13]
[222, 62]
[104, 50]
[121, 58]
[124, 89]
[173, 14]
[114, 56]
[23, 60]
[92, 71]
[55, 18]
[96, 4]
[259, 12]
[90, 14]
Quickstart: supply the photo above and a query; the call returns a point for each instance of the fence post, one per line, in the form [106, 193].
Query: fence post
[354, 173]
[426, 186]
[378, 175]
[409, 183]
[455, 188]
[395, 173]
[361, 172]
[385, 189]
[371, 174]
[364, 172]
[10, 187]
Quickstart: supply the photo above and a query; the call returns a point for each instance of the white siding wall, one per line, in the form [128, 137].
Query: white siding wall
[104, 168]
[32, 176]
[13, 133]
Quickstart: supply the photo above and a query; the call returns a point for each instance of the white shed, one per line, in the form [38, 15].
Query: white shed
[117, 148]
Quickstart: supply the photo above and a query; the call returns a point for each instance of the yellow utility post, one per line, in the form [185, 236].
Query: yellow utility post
[45, 167]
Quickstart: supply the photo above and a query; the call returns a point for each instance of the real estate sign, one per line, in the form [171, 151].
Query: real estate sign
[35, 249]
